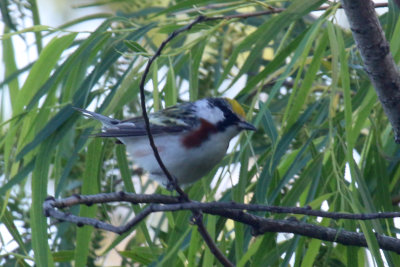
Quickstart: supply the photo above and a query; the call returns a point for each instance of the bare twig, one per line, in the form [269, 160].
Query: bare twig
[341, 236]
[231, 210]
[170, 203]
[198, 220]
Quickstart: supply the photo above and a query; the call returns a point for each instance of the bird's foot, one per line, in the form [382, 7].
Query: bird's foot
[171, 185]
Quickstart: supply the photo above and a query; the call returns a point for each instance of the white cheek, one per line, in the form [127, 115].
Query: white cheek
[211, 114]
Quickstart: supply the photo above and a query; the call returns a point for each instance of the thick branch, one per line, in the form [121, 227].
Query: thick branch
[378, 61]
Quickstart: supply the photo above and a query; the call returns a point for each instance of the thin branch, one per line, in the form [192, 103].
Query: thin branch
[378, 61]
[341, 236]
[198, 220]
[262, 225]
[112, 197]
[231, 210]
[172, 180]
[174, 204]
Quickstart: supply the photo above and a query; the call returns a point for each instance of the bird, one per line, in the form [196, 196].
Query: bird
[191, 137]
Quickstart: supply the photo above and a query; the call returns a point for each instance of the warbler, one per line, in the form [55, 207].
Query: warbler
[191, 137]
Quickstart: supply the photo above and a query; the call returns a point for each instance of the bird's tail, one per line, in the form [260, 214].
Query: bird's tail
[106, 121]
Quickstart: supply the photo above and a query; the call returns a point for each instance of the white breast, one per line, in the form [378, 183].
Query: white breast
[186, 164]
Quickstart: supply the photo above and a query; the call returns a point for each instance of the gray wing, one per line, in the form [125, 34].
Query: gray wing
[171, 120]
[125, 129]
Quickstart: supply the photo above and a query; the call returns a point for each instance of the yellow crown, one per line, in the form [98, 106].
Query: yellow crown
[236, 107]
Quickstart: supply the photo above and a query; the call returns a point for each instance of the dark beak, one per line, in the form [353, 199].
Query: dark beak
[246, 126]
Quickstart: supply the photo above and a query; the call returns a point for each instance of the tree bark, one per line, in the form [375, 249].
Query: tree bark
[378, 61]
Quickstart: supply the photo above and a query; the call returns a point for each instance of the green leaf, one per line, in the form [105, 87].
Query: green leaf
[35, 28]
[42, 68]
[194, 246]
[170, 90]
[209, 258]
[136, 47]
[7, 219]
[39, 193]
[18, 178]
[299, 97]
[63, 256]
[142, 255]
[269, 125]
[156, 93]
[268, 30]
[196, 54]
[90, 186]
[173, 248]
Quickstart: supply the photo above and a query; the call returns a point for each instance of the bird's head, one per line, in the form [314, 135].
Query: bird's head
[224, 113]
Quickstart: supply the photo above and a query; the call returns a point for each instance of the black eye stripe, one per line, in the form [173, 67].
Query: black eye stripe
[221, 104]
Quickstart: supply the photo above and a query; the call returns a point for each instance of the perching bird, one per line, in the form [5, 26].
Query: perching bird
[191, 138]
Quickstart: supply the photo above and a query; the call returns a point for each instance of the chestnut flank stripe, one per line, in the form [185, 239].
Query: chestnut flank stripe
[197, 137]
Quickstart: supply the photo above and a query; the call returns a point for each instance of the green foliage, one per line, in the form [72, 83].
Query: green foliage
[304, 88]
